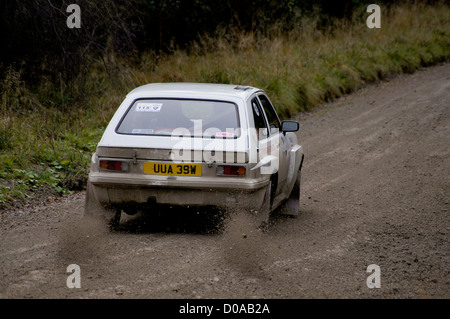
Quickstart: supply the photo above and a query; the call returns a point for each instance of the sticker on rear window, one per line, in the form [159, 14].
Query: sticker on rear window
[224, 134]
[142, 131]
[148, 107]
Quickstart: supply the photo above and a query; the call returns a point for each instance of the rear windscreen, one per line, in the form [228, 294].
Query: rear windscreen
[175, 117]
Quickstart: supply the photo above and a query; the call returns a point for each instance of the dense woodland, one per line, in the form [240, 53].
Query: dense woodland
[36, 40]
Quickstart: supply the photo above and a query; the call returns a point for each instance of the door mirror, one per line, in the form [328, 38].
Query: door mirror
[289, 126]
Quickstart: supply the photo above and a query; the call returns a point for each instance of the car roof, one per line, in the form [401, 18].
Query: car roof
[187, 89]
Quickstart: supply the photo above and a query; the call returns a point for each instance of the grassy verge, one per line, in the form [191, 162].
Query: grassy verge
[48, 132]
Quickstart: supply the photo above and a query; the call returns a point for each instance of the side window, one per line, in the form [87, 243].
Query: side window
[272, 118]
[258, 116]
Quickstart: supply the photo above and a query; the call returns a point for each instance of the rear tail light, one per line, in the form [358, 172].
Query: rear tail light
[119, 166]
[231, 170]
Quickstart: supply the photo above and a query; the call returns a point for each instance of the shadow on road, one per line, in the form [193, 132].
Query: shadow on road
[206, 221]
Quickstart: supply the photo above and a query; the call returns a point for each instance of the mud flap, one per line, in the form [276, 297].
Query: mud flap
[93, 209]
[262, 216]
[292, 205]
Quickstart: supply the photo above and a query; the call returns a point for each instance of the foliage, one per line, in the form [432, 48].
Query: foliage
[36, 39]
[50, 122]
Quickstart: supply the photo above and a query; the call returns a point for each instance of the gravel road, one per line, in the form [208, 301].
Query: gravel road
[375, 190]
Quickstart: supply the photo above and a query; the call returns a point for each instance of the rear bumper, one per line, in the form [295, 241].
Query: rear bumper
[229, 192]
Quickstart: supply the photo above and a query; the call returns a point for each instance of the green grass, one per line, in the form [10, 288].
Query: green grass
[48, 132]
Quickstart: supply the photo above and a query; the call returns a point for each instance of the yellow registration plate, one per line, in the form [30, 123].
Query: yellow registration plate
[173, 169]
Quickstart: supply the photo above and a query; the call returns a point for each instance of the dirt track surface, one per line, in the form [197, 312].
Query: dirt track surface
[375, 190]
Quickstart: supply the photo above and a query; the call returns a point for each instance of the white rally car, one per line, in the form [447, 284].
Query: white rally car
[192, 144]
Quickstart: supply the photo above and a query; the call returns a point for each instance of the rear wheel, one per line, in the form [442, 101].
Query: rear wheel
[93, 209]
